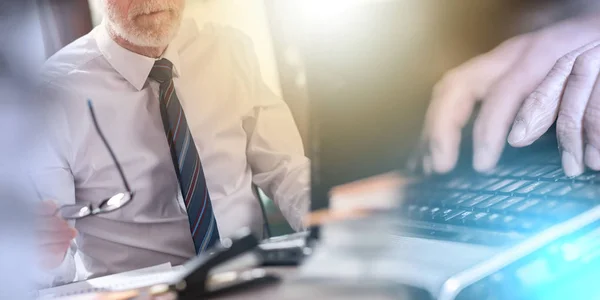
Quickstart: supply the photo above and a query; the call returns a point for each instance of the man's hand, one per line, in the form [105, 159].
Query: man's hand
[569, 95]
[502, 79]
[53, 234]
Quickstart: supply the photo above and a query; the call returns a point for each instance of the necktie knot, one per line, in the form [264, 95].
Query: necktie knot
[162, 71]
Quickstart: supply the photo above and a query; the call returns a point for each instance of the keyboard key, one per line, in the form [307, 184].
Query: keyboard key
[456, 194]
[475, 218]
[514, 186]
[491, 220]
[510, 201]
[476, 200]
[541, 171]
[437, 212]
[547, 187]
[525, 190]
[565, 189]
[554, 175]
[490, 202]
[498, 185]
[450, 216]
[480, 184]
[498, 222]
[461, 218]
[441, 216]
[422, 211]
[524, 206]
[432, 212]
[586, 177]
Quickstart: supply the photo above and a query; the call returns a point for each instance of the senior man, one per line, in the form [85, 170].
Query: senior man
[193, 125]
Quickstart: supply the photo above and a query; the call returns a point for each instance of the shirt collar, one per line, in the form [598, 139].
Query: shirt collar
[135, 68]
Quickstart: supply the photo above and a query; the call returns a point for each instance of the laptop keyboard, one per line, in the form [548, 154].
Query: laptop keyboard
[511, 202]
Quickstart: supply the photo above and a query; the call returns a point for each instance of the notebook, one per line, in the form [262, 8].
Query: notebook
[117, 282]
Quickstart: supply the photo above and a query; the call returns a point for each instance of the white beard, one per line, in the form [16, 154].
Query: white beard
[159, 35]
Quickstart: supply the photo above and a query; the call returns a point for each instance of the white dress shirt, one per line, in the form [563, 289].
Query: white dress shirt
[243, 132]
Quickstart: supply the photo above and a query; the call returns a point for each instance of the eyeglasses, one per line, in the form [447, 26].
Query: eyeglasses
[80, 211]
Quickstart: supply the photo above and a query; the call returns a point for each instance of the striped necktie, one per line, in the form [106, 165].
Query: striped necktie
[186, 160]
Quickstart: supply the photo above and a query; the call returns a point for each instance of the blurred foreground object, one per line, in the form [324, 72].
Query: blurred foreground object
[21, 54]
[16, 221]
[158, 292]
[360, 198]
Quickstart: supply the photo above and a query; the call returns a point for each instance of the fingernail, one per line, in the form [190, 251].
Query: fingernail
[570, 165]
[592, 157]
[74, 232]
[483, 160]
[517, 133]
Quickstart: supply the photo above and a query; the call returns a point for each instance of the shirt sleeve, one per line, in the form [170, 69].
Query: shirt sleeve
[63, 274]
[275, 150]
[52, 176]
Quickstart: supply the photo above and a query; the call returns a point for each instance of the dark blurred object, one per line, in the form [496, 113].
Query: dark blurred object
[63, 21]
[21, 49]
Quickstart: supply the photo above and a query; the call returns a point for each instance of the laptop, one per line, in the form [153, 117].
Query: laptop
[521, 231]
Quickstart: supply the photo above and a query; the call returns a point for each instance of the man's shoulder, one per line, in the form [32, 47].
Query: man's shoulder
[225, 37]
[224, 46]
[72, 61]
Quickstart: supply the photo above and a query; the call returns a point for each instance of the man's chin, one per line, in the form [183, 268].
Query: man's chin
[154, 41]
[155, 33]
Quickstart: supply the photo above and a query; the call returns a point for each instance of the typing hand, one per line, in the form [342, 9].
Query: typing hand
[569, 95]
[502, 79]
[53, 234]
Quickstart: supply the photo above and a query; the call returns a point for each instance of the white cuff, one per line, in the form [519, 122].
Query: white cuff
[63, 274]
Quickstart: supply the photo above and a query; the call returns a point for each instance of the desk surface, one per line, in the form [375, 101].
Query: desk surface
[278, 291]
[266, 292]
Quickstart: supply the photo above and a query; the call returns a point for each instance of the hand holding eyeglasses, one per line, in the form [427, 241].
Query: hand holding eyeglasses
[54, 235]
[79, 211]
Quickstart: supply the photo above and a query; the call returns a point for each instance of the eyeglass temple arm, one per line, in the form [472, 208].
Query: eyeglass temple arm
[112, 154]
